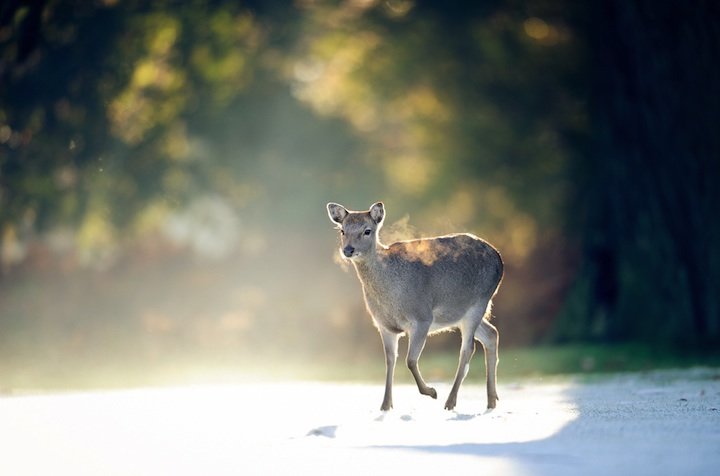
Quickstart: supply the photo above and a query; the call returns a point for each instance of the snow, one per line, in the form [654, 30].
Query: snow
[657, 423]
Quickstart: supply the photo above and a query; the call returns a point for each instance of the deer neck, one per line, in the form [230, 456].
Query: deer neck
[370, 269]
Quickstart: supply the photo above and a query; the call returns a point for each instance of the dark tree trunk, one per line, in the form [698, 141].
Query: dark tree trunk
[651, 187]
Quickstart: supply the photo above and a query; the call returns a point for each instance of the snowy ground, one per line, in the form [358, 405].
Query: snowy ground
[640, 424]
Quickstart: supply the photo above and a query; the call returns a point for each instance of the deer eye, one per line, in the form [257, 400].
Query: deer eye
[367, 232]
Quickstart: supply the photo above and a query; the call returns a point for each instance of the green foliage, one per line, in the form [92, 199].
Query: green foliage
[136, 134]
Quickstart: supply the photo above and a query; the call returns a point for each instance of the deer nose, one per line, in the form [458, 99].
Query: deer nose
[348, 251]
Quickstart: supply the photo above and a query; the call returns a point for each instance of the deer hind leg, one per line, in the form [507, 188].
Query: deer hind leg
[416, 343]
[467, 349]
[488, 336]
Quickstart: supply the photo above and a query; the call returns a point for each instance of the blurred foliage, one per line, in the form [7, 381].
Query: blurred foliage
[164, 166]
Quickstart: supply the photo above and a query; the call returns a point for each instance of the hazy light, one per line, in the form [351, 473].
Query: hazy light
[410, 173]
[308, 70]
[209, 226]
[12, 250]
[544, 32]
[398, 8]
[536, 28]
[5, 134]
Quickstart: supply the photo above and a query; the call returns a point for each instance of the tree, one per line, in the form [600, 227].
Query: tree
[652, 242]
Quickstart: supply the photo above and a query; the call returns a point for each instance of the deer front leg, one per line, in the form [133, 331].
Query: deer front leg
[416, 343]
[390, 344]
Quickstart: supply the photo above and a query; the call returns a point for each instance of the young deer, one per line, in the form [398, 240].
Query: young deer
[422, 286]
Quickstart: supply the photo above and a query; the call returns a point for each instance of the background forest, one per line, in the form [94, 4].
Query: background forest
[164, 169]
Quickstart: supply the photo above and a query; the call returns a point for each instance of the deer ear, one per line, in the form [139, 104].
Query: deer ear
[377, 212]
[336, 212]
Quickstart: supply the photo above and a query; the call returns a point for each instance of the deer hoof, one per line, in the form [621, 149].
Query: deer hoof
[492, 402]
[430, 392]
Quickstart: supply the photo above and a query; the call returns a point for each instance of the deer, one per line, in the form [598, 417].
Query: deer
[421, 287]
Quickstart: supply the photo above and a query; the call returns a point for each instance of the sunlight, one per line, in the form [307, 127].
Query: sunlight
[132, 112]
[536, 28]
[398, 8]
[96, 239]
[224, 429]
[422, 423]
[543, 32]
[410, 173]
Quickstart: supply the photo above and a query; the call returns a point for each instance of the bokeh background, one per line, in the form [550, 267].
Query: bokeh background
[165, 165]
